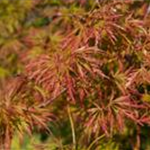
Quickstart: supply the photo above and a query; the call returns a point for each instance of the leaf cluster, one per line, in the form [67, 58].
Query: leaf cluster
[85, 62]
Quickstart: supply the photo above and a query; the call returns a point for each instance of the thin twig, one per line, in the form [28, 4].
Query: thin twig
[97, 139]
[72, 128]
[49, 101]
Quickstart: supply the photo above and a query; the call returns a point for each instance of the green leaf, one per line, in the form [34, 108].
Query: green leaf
[3, 72]
[146, 98]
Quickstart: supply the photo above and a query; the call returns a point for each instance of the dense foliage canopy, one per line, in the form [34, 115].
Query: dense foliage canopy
[74, 75]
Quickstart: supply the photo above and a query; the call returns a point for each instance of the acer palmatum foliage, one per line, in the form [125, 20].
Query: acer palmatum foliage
[94, 57]
[19, 111]
[100, 59]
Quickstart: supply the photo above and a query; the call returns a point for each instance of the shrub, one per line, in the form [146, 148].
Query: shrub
[84, 65]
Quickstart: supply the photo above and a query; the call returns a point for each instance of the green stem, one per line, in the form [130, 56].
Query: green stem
[97, 139]
[72, 128]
